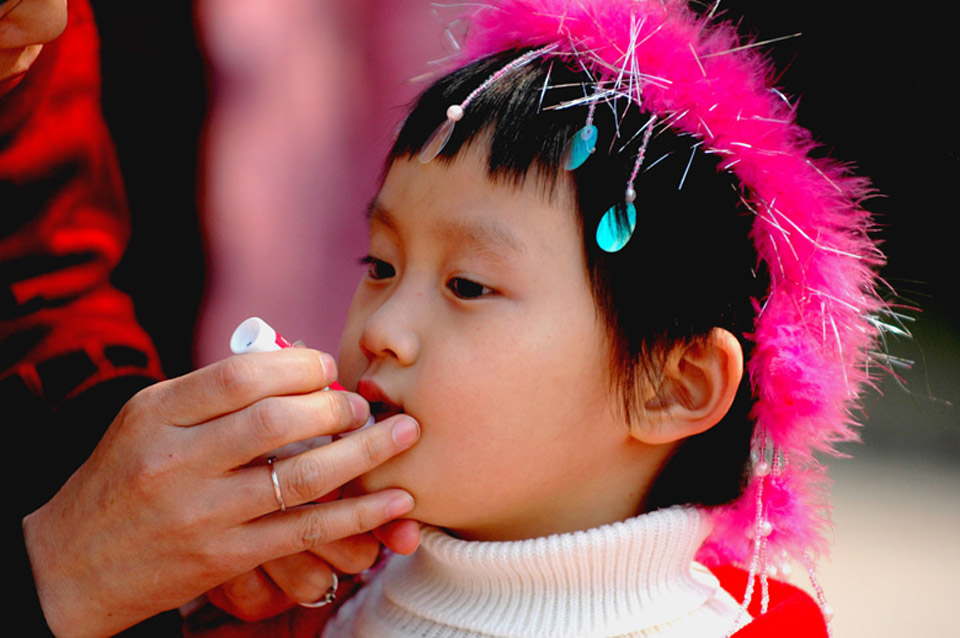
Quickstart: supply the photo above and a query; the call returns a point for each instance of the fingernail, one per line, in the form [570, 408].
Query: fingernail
[359, 407]
[329, 365]
[399, 505]
[405, 432]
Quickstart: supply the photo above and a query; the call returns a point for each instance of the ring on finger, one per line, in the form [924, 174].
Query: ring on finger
[276, 484]
[328, 597]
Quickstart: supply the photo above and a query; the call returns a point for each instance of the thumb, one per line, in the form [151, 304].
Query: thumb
[400, 537]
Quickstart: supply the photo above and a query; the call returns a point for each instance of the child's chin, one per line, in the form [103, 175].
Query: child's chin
[355, 487]
[373, 481]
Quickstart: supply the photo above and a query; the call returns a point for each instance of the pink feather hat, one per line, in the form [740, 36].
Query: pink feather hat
[816, 326]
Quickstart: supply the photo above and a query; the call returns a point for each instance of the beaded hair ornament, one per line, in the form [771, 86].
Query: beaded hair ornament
[816, 327]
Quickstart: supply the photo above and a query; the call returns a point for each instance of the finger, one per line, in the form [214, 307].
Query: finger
[250, 596]
[270, 423]
[239, 381]
[302, 577]
[311, 526]
[310, 475]
[350, 555]
[400, 537]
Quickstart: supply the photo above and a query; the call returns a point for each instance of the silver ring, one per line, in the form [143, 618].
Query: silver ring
[328, 597]
[276, 484]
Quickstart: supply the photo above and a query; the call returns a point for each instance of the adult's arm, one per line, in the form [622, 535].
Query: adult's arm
[167, 506]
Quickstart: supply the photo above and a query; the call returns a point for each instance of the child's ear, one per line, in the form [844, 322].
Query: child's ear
[697, 387]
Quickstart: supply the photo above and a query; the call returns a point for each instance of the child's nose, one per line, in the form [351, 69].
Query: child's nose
[389, 332]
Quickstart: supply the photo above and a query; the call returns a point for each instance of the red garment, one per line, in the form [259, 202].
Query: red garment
[791, 613]
[64, 223]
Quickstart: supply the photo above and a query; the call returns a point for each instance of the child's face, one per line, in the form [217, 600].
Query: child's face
[476, 317]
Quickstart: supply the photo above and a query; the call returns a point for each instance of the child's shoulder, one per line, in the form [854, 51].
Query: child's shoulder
[792, 613]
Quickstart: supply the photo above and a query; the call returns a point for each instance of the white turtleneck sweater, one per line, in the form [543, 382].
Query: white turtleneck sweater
[636, 578]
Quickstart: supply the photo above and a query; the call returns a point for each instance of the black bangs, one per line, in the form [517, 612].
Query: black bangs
[513, 116]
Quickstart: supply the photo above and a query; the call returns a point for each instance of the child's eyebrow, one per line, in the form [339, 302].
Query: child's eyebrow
[484, 236]
[379, 214]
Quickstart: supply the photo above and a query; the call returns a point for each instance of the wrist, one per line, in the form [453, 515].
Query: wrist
[36, 541]
[67, 610]
[26, 600]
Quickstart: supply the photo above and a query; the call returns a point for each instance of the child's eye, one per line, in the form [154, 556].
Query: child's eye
[466, 289]
[377, 268]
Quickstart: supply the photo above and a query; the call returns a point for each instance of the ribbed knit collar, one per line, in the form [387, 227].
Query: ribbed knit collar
[613, 580]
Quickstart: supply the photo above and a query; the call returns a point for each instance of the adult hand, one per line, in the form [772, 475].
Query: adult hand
[164, 508]
[25, 28]
[278, 585]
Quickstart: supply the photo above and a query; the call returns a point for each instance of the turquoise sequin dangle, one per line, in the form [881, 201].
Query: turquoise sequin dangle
[584, 143]
[614, 231]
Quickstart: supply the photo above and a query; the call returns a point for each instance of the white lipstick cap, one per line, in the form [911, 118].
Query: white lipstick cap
[254, 335]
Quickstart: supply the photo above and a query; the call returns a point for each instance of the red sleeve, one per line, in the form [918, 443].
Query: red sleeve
[63, 227]
[792, 613]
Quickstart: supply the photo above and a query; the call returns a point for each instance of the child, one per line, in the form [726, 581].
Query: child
[562, 289]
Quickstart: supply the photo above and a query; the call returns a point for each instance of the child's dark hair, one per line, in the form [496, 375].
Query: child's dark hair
[689, 267]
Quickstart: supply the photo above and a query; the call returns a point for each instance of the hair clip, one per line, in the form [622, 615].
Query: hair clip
[439, 138]
[616, 229]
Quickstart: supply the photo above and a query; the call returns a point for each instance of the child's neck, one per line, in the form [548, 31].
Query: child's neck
[601, 498]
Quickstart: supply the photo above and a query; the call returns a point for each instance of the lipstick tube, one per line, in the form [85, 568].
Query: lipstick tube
[256, 335]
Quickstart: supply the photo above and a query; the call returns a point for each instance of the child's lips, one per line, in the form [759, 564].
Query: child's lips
[381, 407]
[381, 410]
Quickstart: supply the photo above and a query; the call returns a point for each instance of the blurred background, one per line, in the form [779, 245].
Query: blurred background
[251, 135]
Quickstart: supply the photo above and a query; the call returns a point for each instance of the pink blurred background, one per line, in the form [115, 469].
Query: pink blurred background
[305, 102]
